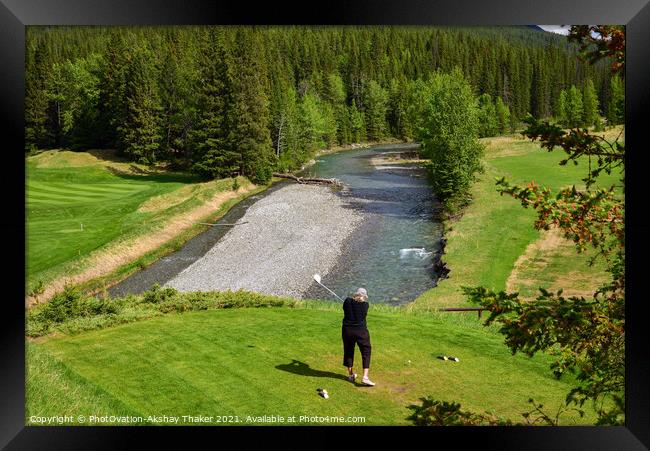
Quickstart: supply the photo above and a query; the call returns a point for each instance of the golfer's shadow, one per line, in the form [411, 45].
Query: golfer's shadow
[298, 367]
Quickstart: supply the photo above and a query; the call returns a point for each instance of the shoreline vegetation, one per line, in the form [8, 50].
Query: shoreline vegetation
[71, 362]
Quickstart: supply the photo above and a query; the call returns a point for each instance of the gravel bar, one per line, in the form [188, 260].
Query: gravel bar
[289, 235]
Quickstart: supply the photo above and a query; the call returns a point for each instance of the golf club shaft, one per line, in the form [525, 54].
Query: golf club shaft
[330, 291]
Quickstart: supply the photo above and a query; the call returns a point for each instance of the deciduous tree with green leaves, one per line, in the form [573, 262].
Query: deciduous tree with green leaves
[449, 136]
[488, 121]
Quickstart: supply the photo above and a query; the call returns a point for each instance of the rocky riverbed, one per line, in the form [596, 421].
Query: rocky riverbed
[278, 244]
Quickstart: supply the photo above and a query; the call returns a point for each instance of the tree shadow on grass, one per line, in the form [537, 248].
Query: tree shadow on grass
[298, 367]
[153, 175]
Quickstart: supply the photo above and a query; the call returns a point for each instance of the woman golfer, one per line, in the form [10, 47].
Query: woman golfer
[354, 332]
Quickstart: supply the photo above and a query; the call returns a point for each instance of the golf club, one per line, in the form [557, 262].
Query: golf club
[317, 279]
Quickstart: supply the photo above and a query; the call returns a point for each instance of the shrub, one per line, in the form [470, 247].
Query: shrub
[71, 312]
[62, 306]
[37, 289]
[157, 294]
[442, 413]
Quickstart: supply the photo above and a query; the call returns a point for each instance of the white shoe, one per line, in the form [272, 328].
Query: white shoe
[368, 382]
[352, 377]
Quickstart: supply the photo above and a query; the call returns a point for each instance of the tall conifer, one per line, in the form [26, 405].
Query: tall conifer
[590, 104]
[249, 115]
[213, 153]
[139, 136]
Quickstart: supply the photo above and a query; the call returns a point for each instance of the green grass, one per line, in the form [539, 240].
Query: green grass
[270, 361]
[58, 206]
[484, 244]
[77, 204]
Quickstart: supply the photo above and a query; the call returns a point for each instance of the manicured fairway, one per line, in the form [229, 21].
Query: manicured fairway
[484, 244]
[77, 203]
[270, 361]
[73, 211]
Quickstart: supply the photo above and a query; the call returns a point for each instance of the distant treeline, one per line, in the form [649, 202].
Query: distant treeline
[249, 100]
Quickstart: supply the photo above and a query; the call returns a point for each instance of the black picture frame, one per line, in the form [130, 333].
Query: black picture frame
[15, 15]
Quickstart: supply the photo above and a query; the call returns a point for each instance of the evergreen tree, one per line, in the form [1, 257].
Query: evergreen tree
[177, 80]
[56, 93]
[574, 107]
[616, 107]
[590, 104]
[249, 116]
[376, 107]
[213, 155]
[112, 90]
[563, 109]
[350, 70]
[36, 102]
[397, 113]
[139, 136]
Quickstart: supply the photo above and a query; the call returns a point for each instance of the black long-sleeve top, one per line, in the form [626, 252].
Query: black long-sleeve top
[354, 313]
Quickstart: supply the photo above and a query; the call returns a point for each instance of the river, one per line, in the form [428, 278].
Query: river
[392, 253]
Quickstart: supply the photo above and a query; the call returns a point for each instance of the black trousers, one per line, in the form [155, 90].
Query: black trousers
[356, 336]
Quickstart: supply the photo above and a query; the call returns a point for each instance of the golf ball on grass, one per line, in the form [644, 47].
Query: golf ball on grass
[322, 392]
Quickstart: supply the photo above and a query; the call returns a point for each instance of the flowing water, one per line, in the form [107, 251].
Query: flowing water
[392, 254]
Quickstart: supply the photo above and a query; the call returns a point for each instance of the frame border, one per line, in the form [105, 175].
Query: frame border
[15, 15]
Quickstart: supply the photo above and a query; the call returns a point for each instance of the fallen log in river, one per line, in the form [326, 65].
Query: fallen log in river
[309, 180]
